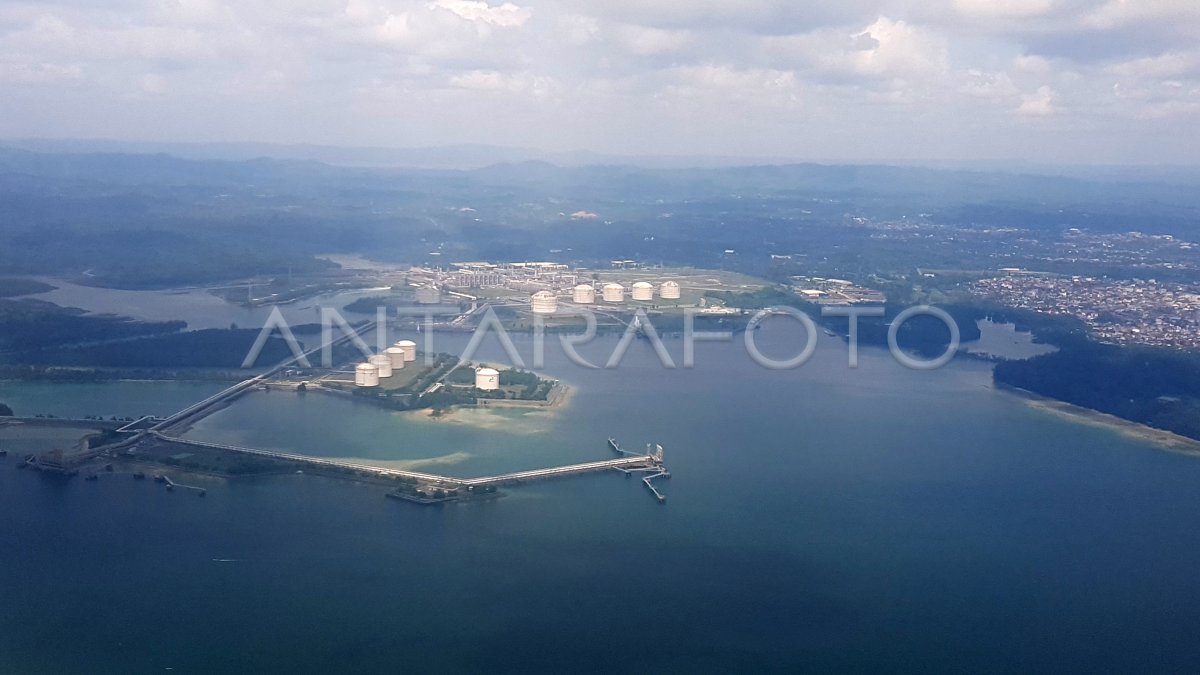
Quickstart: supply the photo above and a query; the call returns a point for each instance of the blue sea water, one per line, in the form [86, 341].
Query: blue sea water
[819, 519]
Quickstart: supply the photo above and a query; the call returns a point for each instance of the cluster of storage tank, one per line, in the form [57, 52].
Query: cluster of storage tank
[546, 302]
[614, 292]
[382, 366]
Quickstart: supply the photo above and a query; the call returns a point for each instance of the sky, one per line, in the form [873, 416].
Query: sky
[1040, 81]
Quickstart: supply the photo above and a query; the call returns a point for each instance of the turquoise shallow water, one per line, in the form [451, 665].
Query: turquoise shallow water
[879, 519]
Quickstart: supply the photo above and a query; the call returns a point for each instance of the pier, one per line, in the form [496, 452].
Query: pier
[629, 463]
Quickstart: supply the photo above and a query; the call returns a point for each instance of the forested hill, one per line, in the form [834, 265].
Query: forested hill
[142, 220]
[1156, 387]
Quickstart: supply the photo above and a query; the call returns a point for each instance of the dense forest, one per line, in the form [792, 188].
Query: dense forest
[29, 325]
[210, 348]
[1153, 386]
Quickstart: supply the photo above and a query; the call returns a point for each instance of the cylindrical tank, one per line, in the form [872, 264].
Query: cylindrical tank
[428, 295]
[383, 363]
[409, 348]
[584, 294]
[544, 302]
[643, 291]
[614, 293]
[487, 379]
[669, 290]
[396, 356]
[366, 375]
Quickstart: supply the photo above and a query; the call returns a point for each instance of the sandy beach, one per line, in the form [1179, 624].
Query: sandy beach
[1166, 440]
[500, 415]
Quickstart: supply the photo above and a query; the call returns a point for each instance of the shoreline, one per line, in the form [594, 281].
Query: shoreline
[560, 397]
[1168, 441]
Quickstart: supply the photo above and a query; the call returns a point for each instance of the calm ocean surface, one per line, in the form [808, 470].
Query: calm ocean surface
[880, 520]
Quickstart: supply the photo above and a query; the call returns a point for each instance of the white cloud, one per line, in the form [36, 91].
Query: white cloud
[990, 86]
[490, 80]
[645, 41]
[669, 75]
[39, 73]
[1162, 66]
[1117, 13]
[506, 15]
[897, 48]
[1038, 104]
[1003, 9]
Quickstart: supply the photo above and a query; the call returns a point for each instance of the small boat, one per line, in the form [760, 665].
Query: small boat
[139, 475]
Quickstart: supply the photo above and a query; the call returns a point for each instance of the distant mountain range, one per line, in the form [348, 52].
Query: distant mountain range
[475, 156]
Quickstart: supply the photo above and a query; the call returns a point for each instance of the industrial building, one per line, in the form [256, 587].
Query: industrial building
[669, 290]
[584, 294]
[544, 302]
[366, 375]
[487, 379]
[613, 292]
[643, 291]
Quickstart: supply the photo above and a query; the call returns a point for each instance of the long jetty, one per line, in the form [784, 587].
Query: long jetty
[625, 463]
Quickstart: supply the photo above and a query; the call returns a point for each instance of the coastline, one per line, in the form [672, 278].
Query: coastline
[1165, 440]
[560, 397]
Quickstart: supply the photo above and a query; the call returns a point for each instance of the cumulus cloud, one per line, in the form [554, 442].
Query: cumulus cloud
[1116, 13]
[1006, 9]
[1038, 104]
[506, 14]
[675, 76]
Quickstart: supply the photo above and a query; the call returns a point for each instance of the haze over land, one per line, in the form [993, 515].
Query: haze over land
[1043, 81]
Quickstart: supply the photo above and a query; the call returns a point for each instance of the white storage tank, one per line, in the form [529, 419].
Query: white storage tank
[383, 363]
[643, 291]
[366, 375]
[395, 356]
[544, 302]
[584, 294]
[614, 293]
[409, 348]
[487, 379]
[669, 290]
